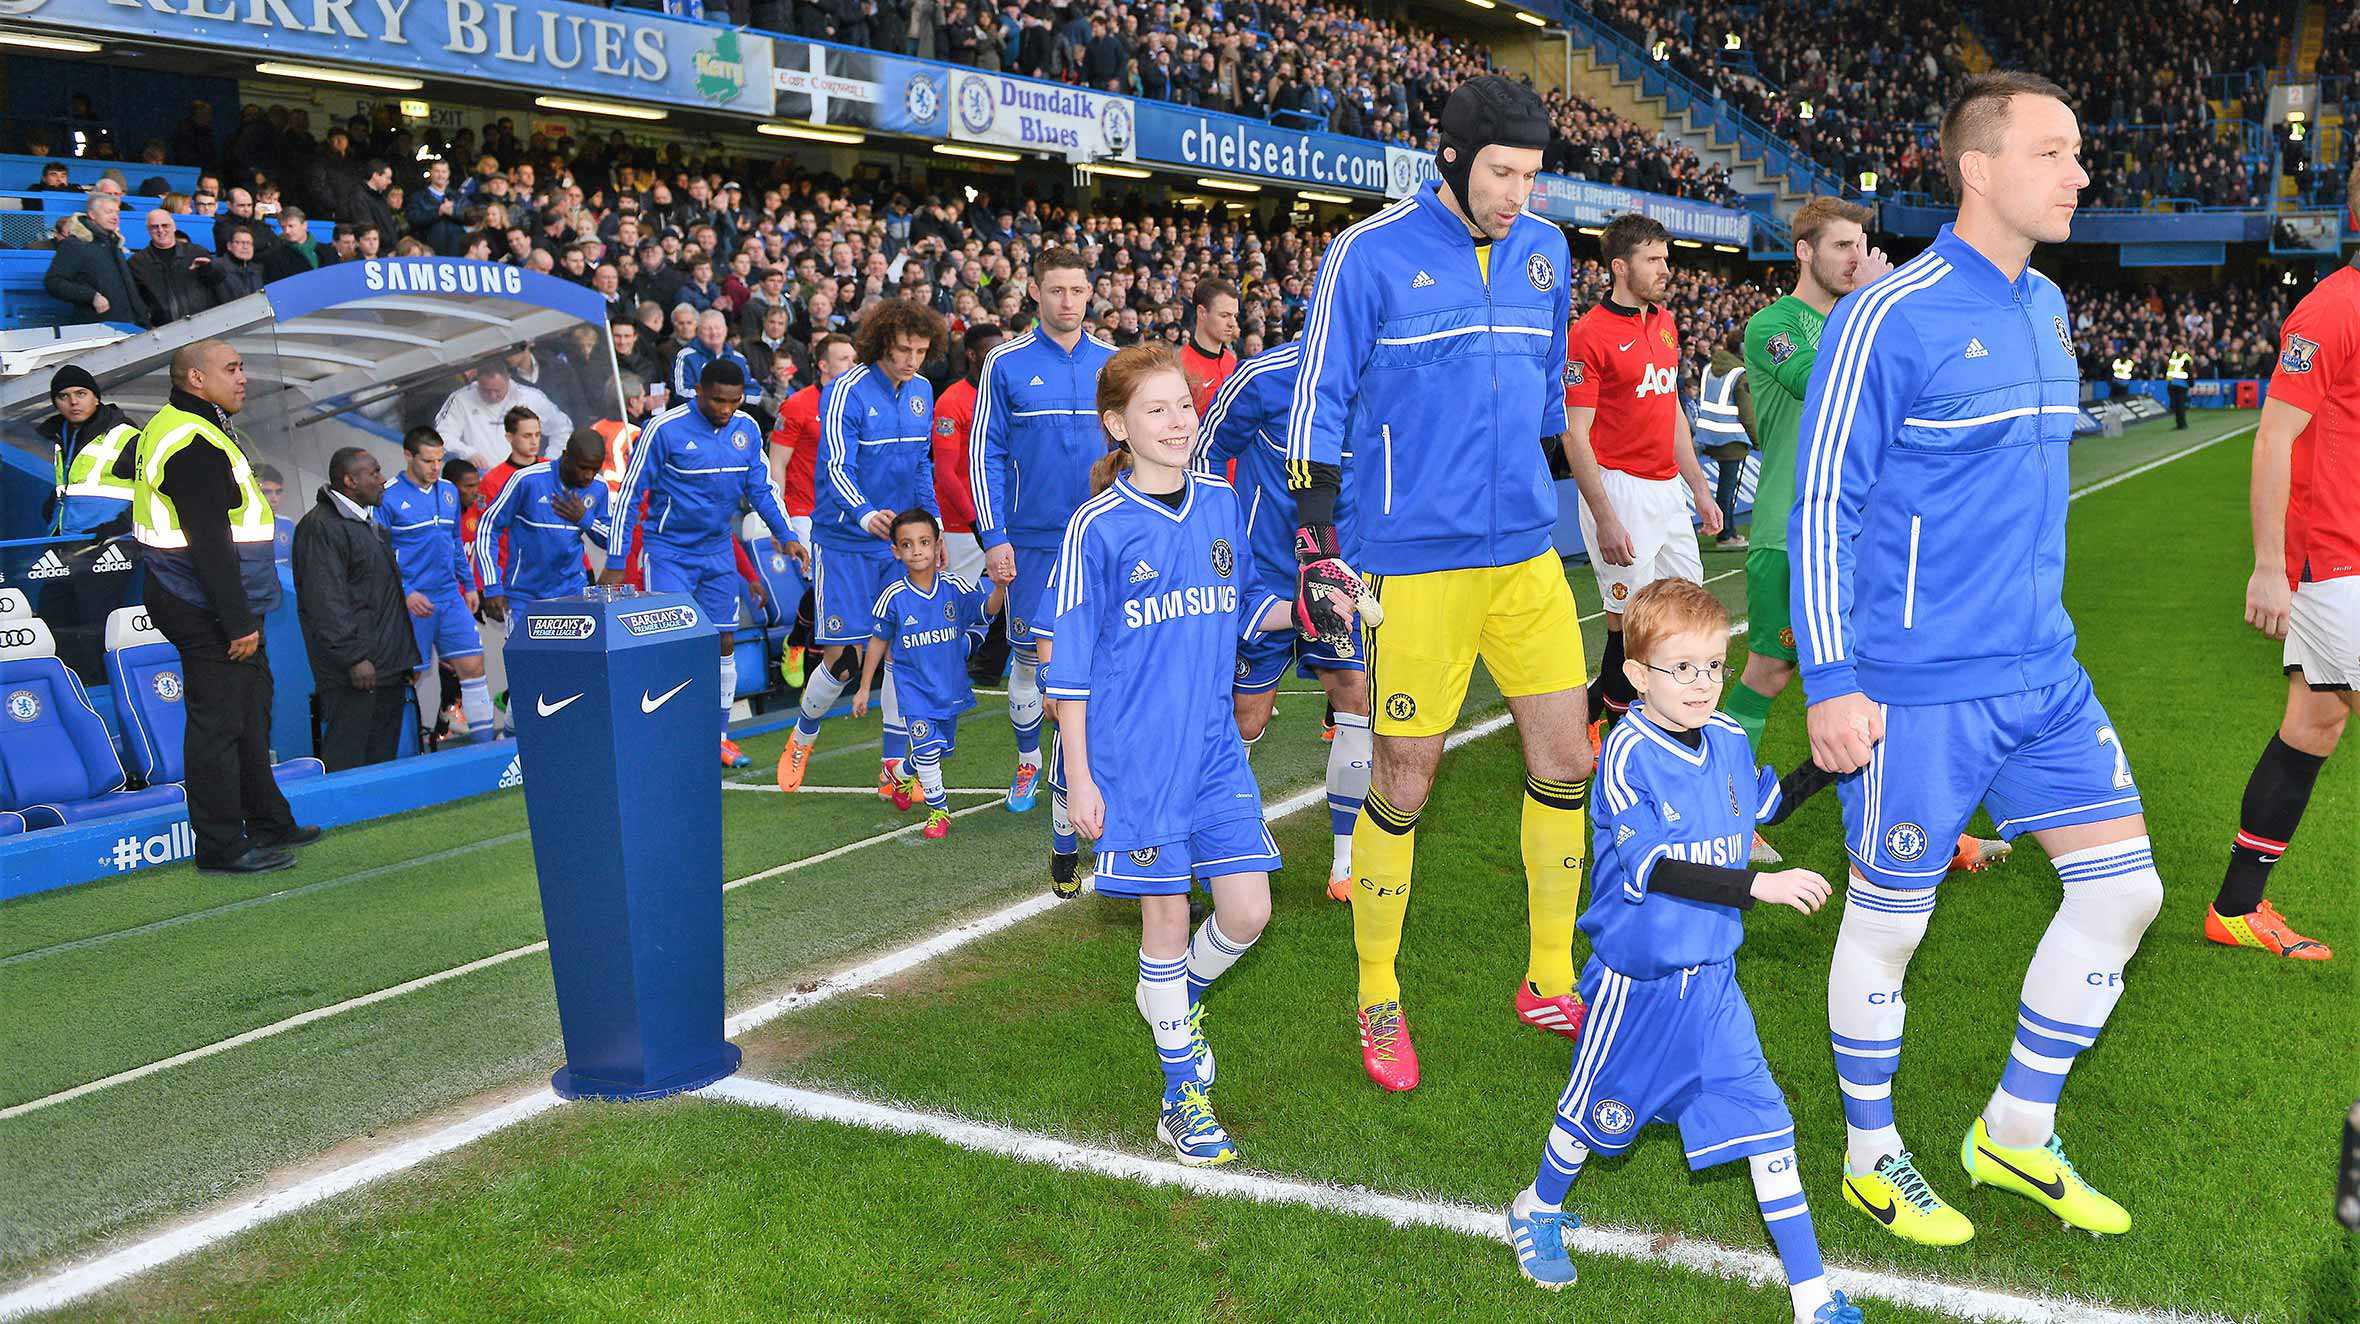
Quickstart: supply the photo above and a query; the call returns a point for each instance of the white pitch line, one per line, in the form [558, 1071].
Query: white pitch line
[67, 1284]
[136, 1258]
[1958, 1300]
[2158, 462]
[60, 1288]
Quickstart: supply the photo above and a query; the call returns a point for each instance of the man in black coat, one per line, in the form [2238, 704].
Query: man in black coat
[171, 271]
[348, 596]
[92, 272]
[368, 204]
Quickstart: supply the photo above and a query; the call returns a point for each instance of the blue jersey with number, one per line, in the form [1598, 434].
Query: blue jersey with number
[928, 634]
[1150, 604]
[1659, 800]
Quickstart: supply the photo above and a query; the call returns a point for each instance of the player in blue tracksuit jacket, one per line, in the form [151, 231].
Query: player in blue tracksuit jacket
[1433, 366]
[875, 460]
[1928, 537]
[544, 542]
[711, 346]
[699, 464]
[1029, 453]
[420, 514]
[1246, 422]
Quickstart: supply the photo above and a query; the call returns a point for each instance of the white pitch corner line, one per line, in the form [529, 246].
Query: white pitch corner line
[1958, 1300]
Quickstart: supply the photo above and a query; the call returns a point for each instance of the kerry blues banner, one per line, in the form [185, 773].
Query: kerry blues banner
[1075, 122]
[858, 89]
[547, 45]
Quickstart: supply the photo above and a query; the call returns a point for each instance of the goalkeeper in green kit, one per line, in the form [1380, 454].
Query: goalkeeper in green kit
[1832, 259]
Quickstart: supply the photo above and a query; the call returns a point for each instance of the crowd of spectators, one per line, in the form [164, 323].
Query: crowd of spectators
[1303, 62]
[2231, 329]
[1858, 85]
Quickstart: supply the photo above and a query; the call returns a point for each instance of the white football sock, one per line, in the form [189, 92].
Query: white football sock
[728, 685]
[2112, 893]
[475, 704]
[1881, 930]
[1024, 704]
[1162, 998]
[1210, 954]
[1349, 761]
[821, 689]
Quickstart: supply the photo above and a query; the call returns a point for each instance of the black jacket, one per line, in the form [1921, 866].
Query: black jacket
[348, 597]
[97, 265]
[171, 282]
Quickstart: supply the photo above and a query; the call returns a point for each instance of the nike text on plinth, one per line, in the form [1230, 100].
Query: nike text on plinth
[617, 716]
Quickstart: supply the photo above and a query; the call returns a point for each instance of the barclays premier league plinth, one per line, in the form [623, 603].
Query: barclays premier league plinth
[616, 720]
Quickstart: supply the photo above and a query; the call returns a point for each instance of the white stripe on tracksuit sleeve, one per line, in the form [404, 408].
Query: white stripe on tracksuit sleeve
[1869, 371]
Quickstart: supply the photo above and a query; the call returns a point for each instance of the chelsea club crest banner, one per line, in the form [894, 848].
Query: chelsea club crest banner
[857, 89]
[1074, 122]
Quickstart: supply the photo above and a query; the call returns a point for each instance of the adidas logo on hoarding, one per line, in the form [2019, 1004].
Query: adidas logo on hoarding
[112, 561]
[513, 776]
[48, 567]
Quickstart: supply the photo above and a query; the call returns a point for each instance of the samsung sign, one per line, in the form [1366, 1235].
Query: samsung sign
[441, 276]
[543, 44]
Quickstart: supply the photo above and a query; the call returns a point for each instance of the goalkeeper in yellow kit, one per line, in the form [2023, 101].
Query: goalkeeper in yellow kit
[1433, 358]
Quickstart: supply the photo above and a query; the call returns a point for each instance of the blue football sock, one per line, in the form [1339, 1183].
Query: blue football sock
[1561, 1163]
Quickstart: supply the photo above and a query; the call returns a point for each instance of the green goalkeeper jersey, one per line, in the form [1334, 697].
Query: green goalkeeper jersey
[1780, 343]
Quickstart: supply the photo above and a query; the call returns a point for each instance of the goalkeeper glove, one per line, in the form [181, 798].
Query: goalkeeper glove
[1326, 590]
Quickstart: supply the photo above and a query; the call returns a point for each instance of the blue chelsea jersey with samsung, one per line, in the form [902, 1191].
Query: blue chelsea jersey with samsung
[928, 634]
[1150, 605]
[1657, 799]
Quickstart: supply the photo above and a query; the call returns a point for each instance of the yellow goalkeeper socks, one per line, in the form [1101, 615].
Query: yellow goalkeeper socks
[1556, 840]
[1384, 841]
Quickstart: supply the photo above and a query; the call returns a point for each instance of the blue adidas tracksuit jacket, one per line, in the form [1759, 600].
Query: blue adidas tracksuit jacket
[876, 452]
[689, 362]
[423, 524]
[1439, 384]
[696, 478]
[1928, 529]
[1035, 437]
[544, 550]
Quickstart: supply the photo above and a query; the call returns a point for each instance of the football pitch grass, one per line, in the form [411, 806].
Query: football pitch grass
[2210, 1108]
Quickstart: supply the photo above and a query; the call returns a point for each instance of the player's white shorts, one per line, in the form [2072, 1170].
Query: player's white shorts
[966, 556]
[1663, 535]
[2323, 633]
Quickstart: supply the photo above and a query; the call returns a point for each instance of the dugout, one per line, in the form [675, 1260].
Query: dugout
[349, 355]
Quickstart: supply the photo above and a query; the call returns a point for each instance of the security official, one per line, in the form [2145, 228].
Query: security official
[206, 525]
[93, 444]
[2176, 372]
[2124, 367]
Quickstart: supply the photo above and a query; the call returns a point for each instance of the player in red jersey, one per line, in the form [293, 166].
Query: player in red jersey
[795, 440]
[1622, 406]
[1207, 359]
[954, 419]
[2305, 590]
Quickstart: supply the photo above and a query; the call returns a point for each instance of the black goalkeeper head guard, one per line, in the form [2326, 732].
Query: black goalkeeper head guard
[1489, 111]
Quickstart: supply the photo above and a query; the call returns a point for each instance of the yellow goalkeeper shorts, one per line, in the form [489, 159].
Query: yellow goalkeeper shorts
[1518, 618]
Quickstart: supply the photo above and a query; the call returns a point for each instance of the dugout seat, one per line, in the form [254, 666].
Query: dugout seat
[781, 579]
[57, 760]
[12, 603]
[144, 669]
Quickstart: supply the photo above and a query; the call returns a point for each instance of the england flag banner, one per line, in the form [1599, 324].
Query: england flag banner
[1075, 122]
